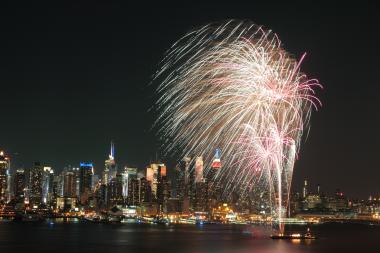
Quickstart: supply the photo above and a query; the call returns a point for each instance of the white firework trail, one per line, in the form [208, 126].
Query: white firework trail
[232, 86]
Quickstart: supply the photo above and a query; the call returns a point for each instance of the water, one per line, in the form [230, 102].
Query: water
[91, 237]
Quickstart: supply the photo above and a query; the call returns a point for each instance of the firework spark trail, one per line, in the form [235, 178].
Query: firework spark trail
[232, 86]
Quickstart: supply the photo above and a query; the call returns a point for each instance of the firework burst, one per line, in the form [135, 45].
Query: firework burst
[232, 86]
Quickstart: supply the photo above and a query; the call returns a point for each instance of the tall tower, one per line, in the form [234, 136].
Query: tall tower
[4, 173]
[48, 173]
[110, 166]
[214, 190]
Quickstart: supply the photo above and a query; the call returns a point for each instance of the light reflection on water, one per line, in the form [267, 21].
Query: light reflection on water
[63, 236]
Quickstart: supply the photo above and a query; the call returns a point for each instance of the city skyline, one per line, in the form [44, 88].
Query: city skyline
[69, 93]
[212, 126]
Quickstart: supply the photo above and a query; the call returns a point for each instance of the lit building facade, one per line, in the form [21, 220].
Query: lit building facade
[86, 170]
[4, 176]
[199, 170]
[36, 179]
[110, 168]
[69, 185]
[152, 175]
[47, 183]
[19, 184]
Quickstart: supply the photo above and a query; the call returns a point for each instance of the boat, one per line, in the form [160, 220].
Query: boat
[294, 236]
[307, 236]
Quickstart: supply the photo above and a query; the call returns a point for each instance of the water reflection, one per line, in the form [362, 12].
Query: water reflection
[64, 236]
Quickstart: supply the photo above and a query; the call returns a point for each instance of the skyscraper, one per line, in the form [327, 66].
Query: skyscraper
[213, 187]
[199, 169]
[48, 173]
[145, 191]
[163, 187]
[128, 175]
[36, 176]
[19, 184]
[86, 171]
[182, 186]
[110, 168]
[69, 185]
[115, 190]
[4, 174]
[152, 175]
[133, 197]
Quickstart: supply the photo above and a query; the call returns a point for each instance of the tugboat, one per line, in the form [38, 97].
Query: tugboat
[307, 236]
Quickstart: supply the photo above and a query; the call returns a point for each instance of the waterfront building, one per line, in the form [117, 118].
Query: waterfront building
[66, 204]
[4, 176]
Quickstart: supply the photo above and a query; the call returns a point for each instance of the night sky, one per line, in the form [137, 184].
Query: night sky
[75, 76]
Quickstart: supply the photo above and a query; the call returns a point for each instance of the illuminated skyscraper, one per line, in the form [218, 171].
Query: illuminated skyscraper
[128, 175]
[47, 182]
[110, 168]
[152, 175]
[214, 189]
[133, 197]
[149, 174]
[145, 191]
[86, 171]
[4, 175]
[95, 181]
[216, 163]
[182, 187]
[19, 184]
[215, 168]
[163, 187]
[199, 169]
[115, 190]
[200, 197]
[69, 185]
[36, 176]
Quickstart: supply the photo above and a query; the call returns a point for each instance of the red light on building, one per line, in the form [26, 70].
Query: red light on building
[216, 164]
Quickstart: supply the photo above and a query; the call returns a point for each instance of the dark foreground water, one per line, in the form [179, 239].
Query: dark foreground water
[90, 237]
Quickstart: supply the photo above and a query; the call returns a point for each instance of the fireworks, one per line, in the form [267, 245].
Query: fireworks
[232, 86]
